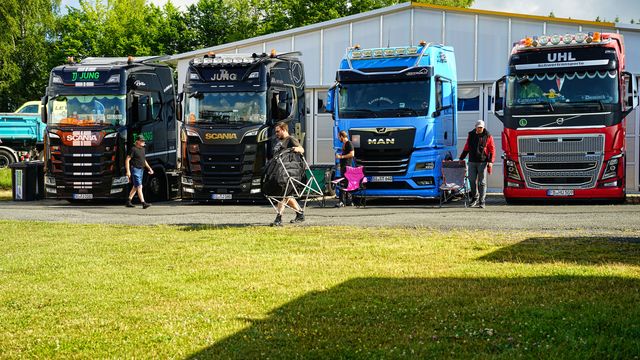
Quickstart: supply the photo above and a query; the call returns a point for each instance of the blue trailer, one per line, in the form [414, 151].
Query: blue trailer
[397, 105]
[21, 135]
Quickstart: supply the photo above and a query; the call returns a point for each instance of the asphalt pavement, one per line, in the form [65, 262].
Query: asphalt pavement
[590, 218]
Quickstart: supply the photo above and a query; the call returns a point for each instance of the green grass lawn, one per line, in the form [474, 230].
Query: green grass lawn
[5, 179]
[94, 291]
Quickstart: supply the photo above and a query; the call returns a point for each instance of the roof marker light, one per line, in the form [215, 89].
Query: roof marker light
[401, 51]
[129, 59]
[581, 37]
[528, 41]
[412, 50]
[596, 36]
[567, 38]
[367, 53]
[544, 40]
[273, 53]
[377, 52]
[356, 54]
[357, 47]
[422, 43]
[389, 52]
[555, 39]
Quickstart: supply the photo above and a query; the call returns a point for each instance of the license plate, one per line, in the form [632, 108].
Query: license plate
[221, 196]
[559, 192]
[382, 179]
[83, 196]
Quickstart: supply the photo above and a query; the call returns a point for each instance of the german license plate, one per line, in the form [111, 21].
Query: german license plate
[559, 192]
[82, 196]
[382, 179]
[221, 196]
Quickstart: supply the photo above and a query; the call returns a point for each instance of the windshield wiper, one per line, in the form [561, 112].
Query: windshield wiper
[599, 102]
[551, 109]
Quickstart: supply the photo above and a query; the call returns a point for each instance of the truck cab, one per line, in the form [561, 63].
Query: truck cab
[564, 103]
[397, 106]
[94, 110]
[231, 104]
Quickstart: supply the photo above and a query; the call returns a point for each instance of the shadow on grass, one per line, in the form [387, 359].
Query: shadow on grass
[580, 250]
[204, 227]
[550, 317]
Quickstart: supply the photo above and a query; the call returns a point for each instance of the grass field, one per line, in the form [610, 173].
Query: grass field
[92, 291]
[5, 179]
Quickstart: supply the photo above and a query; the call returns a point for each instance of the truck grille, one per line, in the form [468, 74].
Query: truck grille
[377, 164]
[84, 168]
[227, 166]
[561, 161]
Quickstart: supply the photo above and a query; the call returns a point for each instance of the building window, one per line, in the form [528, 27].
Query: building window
[468, 99]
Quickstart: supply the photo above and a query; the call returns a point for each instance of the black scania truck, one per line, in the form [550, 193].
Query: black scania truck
[231, 103]
[94, 110]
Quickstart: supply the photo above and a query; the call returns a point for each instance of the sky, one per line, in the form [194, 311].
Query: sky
[575, 9]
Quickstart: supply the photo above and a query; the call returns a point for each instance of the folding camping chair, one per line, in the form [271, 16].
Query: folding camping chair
[299, 188]
[355, 184]
[454, 181]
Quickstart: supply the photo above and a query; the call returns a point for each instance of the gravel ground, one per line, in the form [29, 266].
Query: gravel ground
[590, 218]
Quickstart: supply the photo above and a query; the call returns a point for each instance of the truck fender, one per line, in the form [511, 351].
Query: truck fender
[13, 153]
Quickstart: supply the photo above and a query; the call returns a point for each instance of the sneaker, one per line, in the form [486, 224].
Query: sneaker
[277, 221]
[145, 205]
[129, 204]
[340, 204]
[299, 218]
[474, 203]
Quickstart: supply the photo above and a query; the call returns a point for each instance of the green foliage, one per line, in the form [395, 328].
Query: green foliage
[35, 35]
[5, 179]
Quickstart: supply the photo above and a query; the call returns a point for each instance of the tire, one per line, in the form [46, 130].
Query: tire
[6, 158]
[156, 187]
[329, 185]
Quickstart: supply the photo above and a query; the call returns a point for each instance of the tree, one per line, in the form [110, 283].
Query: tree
[24, 29]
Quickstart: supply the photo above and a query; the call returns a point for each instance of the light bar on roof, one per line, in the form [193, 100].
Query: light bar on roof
[357, 54]
[562, 40]
[224, 59]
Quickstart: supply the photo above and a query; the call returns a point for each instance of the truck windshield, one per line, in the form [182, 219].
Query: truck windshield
[583, 92]
[227, 108]
[384, 99]
[87, 110]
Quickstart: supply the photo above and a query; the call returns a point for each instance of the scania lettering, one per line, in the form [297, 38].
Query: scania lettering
[231, 103]
[563, 104]
[93, 111]
[397, 105]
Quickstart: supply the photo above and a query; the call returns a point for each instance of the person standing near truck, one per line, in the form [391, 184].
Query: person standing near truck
[135, 164]
[346, 157]
[286, 141]
[482, 152]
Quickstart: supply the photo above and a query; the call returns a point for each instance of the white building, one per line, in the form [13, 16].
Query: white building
[482, 41]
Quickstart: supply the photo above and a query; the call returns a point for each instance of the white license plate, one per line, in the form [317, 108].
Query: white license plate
[221, 196]
[559, 192]
[382, 179]
[83, 196]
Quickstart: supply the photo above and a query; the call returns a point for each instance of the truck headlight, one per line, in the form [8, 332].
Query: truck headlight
[612, 167]
[119, 181]
[429, 165]
[187, 181]
[49, 180]
[512, 170]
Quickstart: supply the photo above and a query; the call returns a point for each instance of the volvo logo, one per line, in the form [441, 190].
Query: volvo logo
[390, 141]
[560, 121]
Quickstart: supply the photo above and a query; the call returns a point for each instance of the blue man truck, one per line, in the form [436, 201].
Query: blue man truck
[397, 105]
[21, 134]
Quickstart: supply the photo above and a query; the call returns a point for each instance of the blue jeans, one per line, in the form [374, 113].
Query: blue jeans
[136, 176]
[478, 180]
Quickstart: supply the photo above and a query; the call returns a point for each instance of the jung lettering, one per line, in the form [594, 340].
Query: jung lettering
[224, 75]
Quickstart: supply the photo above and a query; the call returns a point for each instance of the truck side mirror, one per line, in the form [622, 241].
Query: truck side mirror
[179, 106]
[330, 98]
[497, 98]
[631, 93]
[43, 109]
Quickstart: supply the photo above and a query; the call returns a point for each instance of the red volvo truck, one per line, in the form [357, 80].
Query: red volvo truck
[563, 104]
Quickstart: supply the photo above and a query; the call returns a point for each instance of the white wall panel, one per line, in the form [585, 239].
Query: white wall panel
[493, 47]
[632, 50]
[460, 33]
[427, 26]
[281, 45]
[367, 33]
[396, 29]
[336, 41]
[520, 29]
[250, 49]
[309, 45]
[561, 29]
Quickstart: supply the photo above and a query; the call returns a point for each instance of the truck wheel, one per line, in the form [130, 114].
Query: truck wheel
[156, 187]
[6, 158]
